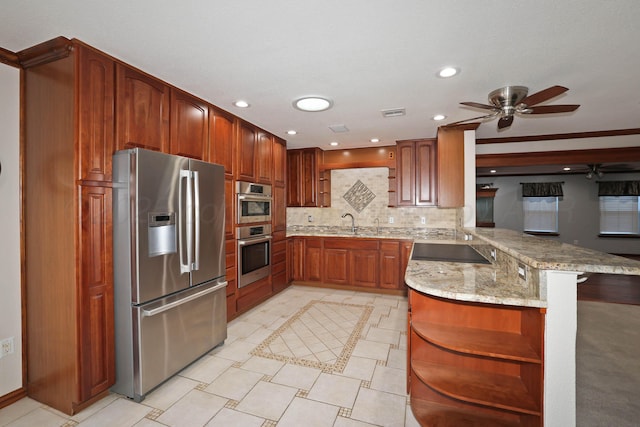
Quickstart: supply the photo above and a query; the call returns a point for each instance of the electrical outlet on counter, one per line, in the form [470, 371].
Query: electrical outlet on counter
[390, 220]
[310, 218]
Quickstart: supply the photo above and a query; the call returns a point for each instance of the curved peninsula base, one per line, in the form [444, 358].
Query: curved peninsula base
[475, 364]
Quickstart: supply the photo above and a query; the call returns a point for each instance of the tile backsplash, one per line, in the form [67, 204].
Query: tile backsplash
[363, 192]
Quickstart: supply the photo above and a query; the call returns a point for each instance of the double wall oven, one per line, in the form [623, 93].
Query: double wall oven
[253, 232]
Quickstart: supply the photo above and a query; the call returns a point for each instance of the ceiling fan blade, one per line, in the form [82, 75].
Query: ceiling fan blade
[543, 95]
[478, 105]
[471, 119]
[505, 122]
[546, 109]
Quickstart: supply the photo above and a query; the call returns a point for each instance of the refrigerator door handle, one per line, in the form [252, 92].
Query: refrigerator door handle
[196, 192]
[183, 218]
[154, 311]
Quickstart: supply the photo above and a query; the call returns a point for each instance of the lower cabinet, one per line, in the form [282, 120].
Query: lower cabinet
[350, 261]
[475, 364]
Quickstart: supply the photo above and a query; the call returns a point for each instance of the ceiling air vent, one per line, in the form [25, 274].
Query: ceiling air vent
[339, 128]
[394, 112]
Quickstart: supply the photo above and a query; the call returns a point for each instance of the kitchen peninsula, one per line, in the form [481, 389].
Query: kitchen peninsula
[495, 344]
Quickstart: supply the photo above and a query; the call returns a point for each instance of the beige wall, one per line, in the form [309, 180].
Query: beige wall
[10, 319]
[376, 179]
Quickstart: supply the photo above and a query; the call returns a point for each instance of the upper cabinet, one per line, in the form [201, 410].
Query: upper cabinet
[189, 126]
[303, 176]
[416, 173]
[264, 157]
[279, 161]
[430, 172]
[222, 131]
[247, 136]
[96, 81]
[450, 167]
[142, 110]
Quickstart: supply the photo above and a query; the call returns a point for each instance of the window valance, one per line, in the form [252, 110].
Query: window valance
[618, 188]
[542, 189]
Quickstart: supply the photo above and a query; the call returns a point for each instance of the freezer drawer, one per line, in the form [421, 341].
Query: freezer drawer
[173, 332]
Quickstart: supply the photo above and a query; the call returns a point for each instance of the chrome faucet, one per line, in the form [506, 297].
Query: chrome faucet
[353, 222]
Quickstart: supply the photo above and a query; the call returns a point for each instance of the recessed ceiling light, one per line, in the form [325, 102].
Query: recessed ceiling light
[447, 72]
[374, 140]
[333, 144]
[241, 104]
[493, 171]
[312, 103]
[291, 132]
[439, 117]
[566, 169]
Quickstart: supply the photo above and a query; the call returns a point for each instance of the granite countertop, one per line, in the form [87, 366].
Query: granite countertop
[469, 282]
[373, 232]
[546, 254]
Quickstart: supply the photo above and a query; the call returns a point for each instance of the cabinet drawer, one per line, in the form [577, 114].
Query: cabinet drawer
[279, 257]
[280, 246]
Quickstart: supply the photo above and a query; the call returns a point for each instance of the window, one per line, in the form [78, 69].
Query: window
[619, 215]
[541, 214]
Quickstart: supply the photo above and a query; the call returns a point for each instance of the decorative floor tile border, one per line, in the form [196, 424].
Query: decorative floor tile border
[262, 349]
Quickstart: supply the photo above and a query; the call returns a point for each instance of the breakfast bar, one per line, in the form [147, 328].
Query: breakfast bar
[494, 344]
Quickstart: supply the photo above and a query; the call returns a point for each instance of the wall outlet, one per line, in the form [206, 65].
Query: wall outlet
[310, 218]
[493, 254]
[6, 347]
[390, 220]
[423, 220]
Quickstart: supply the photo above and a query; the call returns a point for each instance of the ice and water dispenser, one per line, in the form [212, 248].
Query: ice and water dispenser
[162, 233]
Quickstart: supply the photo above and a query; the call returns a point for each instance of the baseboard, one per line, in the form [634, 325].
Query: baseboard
[12, 397]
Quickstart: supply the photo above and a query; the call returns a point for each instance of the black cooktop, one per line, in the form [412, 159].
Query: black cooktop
[446, 252]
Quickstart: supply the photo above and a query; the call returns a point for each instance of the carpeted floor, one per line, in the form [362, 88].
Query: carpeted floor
[608, 365]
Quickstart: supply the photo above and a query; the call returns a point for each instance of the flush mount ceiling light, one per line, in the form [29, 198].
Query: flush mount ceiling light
[291, 132]
[333, 144]
[439, 117]
[374, 140]
[241, 104]
[312, 103]
[447, 72]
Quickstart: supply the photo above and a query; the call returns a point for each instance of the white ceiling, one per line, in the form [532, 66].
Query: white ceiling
[366, 55]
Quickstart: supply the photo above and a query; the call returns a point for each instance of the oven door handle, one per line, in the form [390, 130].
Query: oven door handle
[256, 240]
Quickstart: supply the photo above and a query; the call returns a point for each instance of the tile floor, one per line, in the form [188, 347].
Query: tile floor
[307, 357]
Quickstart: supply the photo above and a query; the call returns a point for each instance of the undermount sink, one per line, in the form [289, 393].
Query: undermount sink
[447, 252]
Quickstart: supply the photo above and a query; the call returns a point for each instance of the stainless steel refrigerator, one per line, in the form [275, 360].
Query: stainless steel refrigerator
[169, 266]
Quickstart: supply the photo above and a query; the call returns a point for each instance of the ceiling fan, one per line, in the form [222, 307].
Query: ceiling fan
[511, 100]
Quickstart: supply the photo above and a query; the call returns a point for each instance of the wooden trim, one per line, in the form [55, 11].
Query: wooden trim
[594, 134]
[49, 51]
[8, 57]
[600, 155]
[461, 126]
[369, 157]
[322, 285]
[12, 397]
[23, 233]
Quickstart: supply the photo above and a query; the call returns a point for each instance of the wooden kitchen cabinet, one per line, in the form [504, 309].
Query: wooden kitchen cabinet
[354, 262]
[450, 167]
[189, 126]
[247, 137]
[96, 80]
[222, 132]
[416, 173]
[475, 363]
[67, 223]
[303, 177]
[279, 209]
[264, 158]
[279, 163]
[97, 323]
[430, 172]
[142, 110]
[279, 261]
[313, 265]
